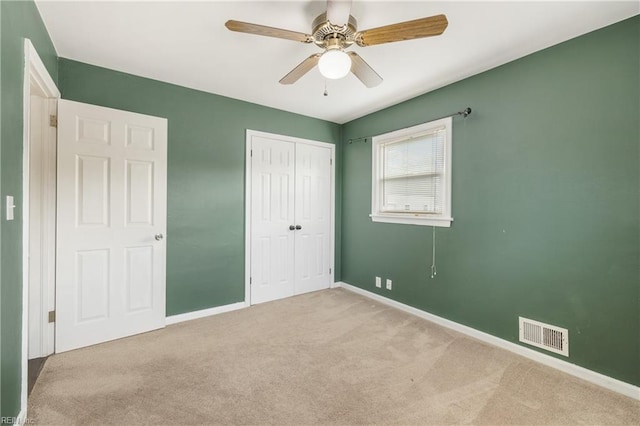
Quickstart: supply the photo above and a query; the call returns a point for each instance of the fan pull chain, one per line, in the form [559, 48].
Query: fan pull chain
[326, 92]
[434, 271]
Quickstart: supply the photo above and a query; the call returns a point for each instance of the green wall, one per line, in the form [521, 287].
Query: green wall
[546, 191]
[206, 161]
[18, 20]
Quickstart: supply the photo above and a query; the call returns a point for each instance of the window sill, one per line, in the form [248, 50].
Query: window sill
[412, 220]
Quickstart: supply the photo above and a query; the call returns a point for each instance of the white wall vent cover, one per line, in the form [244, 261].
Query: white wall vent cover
[545, 336]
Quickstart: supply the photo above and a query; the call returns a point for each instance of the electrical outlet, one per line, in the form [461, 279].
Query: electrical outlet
[378, 282]
[388, 284]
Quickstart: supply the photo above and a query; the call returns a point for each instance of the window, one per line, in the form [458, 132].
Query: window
[412, 175]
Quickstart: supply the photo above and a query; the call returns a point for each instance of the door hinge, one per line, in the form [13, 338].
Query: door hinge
[250, 280]
[53, 121]
[251, 154]
[52, 316]
[329, 271]
[331, 161]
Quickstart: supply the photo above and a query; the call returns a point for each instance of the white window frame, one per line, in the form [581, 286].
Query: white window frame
[412, 218]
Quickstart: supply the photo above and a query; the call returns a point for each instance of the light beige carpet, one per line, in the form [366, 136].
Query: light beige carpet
[330, 357]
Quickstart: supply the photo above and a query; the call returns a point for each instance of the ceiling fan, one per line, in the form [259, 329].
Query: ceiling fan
[335, 31]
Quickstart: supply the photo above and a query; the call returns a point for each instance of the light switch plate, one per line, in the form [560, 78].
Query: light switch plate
[10, 207]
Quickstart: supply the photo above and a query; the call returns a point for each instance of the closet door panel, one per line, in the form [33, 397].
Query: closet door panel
[272, 213]
[313, 217]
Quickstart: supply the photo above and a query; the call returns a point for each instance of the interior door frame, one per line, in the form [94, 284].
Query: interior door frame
[34, 73]
[247, 203]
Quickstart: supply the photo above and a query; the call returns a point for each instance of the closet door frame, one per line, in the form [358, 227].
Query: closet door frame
[250, 134]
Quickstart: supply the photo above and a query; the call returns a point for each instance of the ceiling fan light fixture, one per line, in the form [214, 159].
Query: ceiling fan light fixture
[334, 64]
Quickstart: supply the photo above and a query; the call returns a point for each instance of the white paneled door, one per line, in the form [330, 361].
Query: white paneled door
[272, 213]
[313, 217]
[291, 216]
[112, 178]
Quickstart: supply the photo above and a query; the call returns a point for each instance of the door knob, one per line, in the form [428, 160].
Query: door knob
[298, 227]
[159, 237]
[291, 227]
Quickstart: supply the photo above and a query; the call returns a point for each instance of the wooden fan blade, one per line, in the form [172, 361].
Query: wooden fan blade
[245, 27]
[363, 71]
[338, 11]
[419, 28]
[303, 68]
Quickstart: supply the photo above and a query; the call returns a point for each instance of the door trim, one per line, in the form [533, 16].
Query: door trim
[42, 223]
[247, 201]
[34, 73]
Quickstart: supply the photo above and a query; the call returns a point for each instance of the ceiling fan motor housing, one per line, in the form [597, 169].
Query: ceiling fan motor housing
[329, 36]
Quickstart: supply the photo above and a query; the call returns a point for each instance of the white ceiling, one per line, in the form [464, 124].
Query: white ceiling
[186, 43]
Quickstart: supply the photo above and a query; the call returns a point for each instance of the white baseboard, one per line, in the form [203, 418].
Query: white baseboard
[610, 383]
[174, 319]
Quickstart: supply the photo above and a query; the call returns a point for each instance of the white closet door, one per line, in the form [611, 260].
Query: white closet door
[112, 179]
[272, 214]
[313, 216]
[290, 216]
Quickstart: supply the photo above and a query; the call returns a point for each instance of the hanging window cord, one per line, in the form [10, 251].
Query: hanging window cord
[434, 271]
[464, 113]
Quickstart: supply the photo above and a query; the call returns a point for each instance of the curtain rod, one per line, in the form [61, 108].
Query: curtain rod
[464, 113]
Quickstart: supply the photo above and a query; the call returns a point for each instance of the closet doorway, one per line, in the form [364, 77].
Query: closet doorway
[289, 216]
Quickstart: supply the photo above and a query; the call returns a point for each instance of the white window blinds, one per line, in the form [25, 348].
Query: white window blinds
[412, 175]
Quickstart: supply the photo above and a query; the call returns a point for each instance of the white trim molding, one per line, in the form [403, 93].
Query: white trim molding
[591, 376]
[35, 75]
[175, 319]
[22, 417]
